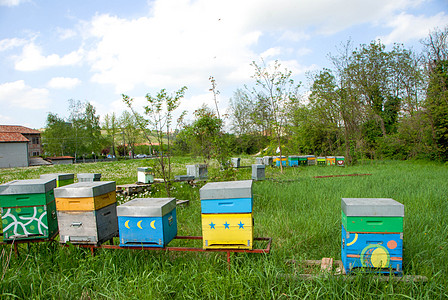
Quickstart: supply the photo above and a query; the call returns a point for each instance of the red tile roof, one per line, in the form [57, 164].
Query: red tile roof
[12, 137]
[60, 157]
[17, 129]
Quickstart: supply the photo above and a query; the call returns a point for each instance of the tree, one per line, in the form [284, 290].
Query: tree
[56, 136]
[278, 88]
[111, 125]
[159, 113]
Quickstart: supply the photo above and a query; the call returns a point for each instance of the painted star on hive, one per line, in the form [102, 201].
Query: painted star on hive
[212, 226]
[241, 225]
[226, 225]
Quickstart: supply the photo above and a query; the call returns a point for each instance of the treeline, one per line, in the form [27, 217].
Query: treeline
[373, 102]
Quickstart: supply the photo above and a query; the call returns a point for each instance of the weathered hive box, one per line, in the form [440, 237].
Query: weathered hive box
[88, 177]
[311, 160]
[145, 175]
[321, 161]
[88, 227]
[28, 209]
[227, 231]
[293, 161]
[331, 160]
[259, 160]
[235, 161]
[372, 234]
[61, 178]
[258, 172]
[267, 160]
[147, 222]
[85, 196]
[382, 252]
[303, 160]
[199, 171]
[283, 160]
[340, 161]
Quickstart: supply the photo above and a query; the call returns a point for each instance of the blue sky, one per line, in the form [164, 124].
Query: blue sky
[52, 51]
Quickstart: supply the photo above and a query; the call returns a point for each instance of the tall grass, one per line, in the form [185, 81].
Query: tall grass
[300, 213]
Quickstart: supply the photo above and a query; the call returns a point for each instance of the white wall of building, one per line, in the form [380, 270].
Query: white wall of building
[13, 155]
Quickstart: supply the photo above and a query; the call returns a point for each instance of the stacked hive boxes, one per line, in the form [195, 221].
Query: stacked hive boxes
[283, 161]
[321, 161]
[267, 160]
[199, 171]
[372, 234]
[258, 172]
[303, 160]
[28, 209]
[293, 161]
[147, 222]
[331, 160]
[145, 175]
[87, 212]
[61, 178]
[311, 160]
[227, 219]
[340, 161]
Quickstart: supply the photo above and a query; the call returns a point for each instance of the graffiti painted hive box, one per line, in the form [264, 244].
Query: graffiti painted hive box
[340, 161]
[92, 195]
[88, 227]
[321, 161]
[147, 222]
[331, 160]
[380, 252]
[61, 178]
[227, 231]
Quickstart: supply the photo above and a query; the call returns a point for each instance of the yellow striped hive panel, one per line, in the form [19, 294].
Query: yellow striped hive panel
[86, 203]
[227, 231]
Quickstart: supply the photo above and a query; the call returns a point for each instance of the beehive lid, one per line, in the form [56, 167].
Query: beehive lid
[321, 157]
[29, 186]
[58, 176]
[147, 207]
[89, 176]
[258, 166]
[340, 157]
[293, 156]
[369, 207]
[144, 169]
[227, 190]
[85, 189]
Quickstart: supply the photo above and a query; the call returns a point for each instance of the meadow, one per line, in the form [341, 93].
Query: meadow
[301, 213]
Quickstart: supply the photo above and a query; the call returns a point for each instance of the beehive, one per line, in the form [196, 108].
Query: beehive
[259, 160]
[331, 160]
[145, 175]
[267, 160]
[28, 209]
[311, 160]
[340, 161]
[61, 178]
[303, 160]
[293, 161]
[283, 160]
[199, 171]
[372, 234]
[235, 161]
[258, 172]
[227, 220]
[87, 212]
[147, 222]
[321, 161]
[88, 177]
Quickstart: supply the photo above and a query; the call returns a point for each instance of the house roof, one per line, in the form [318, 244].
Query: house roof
[11, 137]
[17, 129]
[60, 157]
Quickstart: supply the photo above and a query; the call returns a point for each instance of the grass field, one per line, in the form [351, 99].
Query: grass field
[300, 213]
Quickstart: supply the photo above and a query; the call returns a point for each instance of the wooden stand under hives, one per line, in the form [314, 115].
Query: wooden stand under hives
[314, 269]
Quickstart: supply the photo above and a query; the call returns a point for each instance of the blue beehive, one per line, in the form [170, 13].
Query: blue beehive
[226, 197]
[147, 222]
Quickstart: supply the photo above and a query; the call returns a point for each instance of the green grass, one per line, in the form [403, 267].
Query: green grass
[300, 213]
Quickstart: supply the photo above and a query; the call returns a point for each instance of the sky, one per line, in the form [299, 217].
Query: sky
[95, 51]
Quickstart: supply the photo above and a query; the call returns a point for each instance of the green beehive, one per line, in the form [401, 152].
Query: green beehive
[61, 178]
[321, 161]
[303, 160]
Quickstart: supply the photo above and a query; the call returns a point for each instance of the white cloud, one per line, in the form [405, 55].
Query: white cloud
[63, 82]
[409, 27]
[32, 59]
[7, 44]
[65, 33]
[5, 119]
[18, 94]
[12, 2]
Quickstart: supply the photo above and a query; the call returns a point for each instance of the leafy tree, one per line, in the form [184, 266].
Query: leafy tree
[56, 136]
[111, 125]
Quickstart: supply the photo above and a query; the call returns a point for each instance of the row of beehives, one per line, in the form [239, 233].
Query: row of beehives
[87, 213]
[301, 160]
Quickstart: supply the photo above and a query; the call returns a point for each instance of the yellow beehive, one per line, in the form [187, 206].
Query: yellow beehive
[227, 231]
[86, 203]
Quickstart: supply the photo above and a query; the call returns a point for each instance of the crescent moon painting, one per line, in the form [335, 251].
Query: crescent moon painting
[139, 224]
[126, 224]
[152, 224]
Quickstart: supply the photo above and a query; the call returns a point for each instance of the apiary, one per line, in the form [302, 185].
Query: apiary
[227, 220]
[61, 178]
[321, 161]
[293, 161]
[372, 234]
[258, 172]
[87, 212]
[88, 177]
[340, 161]
[147, 222]
[28, 209]
[311, 160]
[331, 160]
[145, 175]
